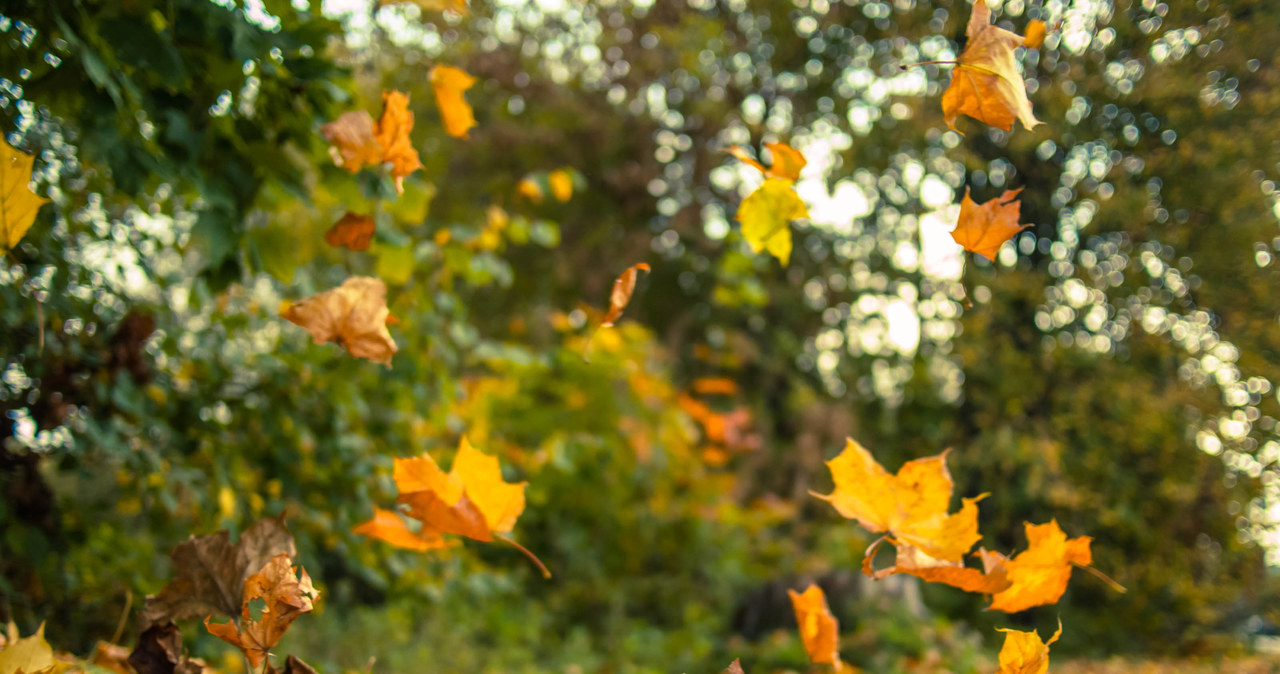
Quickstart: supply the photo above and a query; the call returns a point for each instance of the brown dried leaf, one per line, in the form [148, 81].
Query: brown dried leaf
[354, 315]
[353, 144]
[620, 296]
[287, 595]
[210, 571]
[352, 231]
[159, 651]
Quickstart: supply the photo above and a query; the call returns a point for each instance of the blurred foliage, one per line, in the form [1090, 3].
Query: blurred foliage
[1115, 368]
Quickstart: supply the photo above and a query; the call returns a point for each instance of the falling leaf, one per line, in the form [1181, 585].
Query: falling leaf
[561, 181]
[1039, 575]
[352, 231]
[912, 561]
[356, 141]
[787, 161]
[620, 296]
[388, 527]
[1036, 31]
[353, 144]
[392, 133]
[818, 628]
[459, 6]
[210, 571]
[29, 655]
[286, 594]
[449, 83]
[159, 651]
[354, 315]
[18, 204]
[766, 216]
[1024, 653]
[985, 83]
[982, 229]
[911, 506]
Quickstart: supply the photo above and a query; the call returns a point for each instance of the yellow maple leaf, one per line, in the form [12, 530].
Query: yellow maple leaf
[1039, 574]
[449, 83]
[910, 506]
[29, 655]
[766, 216]
[819, 630]
[985, 83]
[1025, 653]
[18, 204]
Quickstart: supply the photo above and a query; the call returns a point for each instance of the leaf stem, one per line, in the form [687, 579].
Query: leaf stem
[1103, 577]
[532, 557]
[928, 63]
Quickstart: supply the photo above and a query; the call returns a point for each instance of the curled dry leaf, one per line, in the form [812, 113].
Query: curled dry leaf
[18, 204]
[356, 141]
[912, 561]
[766, 216]
[286, 595]
[620, 296]
[819, 630]
[449, 83]
[911, 506]
[1025, 653]
[210, 572]
[983, 228]
[985, 83]
[392, 132]
[354, 315]
[159, 651]
[388, 527]
[351, 231]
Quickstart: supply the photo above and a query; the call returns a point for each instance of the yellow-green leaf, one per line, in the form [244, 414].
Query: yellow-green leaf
[30, 654]
[18, 204]
[766, 216]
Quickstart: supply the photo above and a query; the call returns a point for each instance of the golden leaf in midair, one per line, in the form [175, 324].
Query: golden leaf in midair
[354, 315]
[766, 216]
[986, 84]
[18, 204]
[449, 84]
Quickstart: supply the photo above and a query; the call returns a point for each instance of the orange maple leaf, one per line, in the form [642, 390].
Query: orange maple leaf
[985, 83]
[356, 141]
[787, 161]
[1039, 574]
[351, 231]
[471, 500]
[1024, 653]
[983, 228]
[449, 83]
[388, 527]
[354, 315]
[287, 596]
[910, 560]
[392, 132]
[819, 630]
[911, 506]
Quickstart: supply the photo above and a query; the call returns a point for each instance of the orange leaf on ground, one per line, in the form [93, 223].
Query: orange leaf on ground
[392, 132]
[911, 506]
[1039, 575]
[352, 231]
[449, 84]
[818, 628]
[986, 84]
[286, 595]
[354, 315]
[620, 296]
[1024, 653]
[388, 527]
[983, 228]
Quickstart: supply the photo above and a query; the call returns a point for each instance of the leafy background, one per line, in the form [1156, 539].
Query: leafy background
[1116, 368]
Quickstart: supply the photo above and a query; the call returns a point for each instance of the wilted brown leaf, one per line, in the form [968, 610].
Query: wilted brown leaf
[159, 651]
[351, 231]
[210, 571]
[286, 594]
[986, 84]
[983, 228]
[352, 142]
[354, 315]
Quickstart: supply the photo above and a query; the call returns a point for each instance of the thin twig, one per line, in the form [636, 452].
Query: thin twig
[124, 616]
[928, 63]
